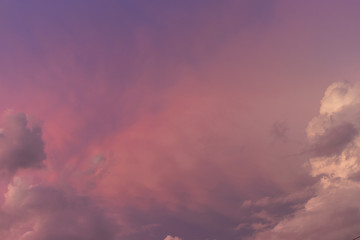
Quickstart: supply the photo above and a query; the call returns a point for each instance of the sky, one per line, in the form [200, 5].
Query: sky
[179, 120]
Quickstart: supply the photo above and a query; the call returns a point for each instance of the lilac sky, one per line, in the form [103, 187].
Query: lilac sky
[179, 120]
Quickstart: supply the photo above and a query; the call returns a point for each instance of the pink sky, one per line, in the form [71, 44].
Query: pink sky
[179, 120]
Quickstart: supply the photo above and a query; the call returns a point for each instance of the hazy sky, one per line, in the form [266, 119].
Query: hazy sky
[179, 120]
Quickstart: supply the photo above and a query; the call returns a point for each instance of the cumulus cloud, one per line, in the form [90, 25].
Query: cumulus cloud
[334, 140]
[334, 212]
[37, 212]
[41, 211]
[21, 145]
[168, 237]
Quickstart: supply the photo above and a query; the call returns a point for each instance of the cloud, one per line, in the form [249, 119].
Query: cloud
[337, 96]
[41, 211]
[38, 212]
[168, 237]
[334, 140]
[205, 154]
[334, 211]
[21, 145]
[198, 158]
[279, 131]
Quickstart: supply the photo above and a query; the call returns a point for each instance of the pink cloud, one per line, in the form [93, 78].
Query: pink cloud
[44, 212]
[333, 212]
[38, 210]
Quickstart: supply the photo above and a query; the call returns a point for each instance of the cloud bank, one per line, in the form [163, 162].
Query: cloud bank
[40, 211]
[334, 212]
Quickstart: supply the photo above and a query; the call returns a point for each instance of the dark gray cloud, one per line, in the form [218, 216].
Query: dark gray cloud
[21, 145]
[334, 140]
[279, 130]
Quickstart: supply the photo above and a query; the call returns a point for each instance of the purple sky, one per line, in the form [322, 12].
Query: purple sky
[179, 120]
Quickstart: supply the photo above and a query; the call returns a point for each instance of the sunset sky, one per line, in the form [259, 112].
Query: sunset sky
[179, 120]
